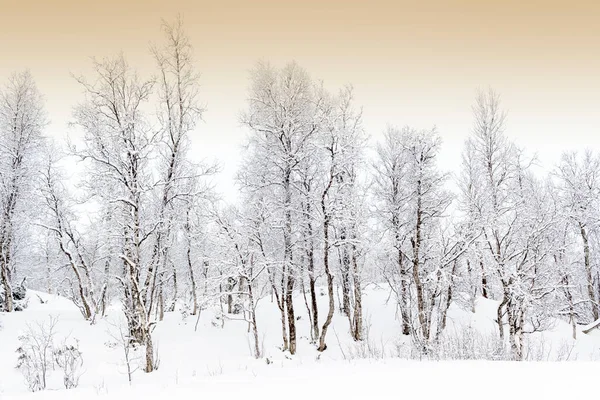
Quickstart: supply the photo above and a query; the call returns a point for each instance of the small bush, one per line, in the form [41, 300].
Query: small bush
[35, 354]
[70, 360]
[38, 354]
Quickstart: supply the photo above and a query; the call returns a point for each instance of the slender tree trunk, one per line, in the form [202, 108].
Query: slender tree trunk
[282, 310]
[588, 270]
[287, 260]
[446, 306]
[290, 312]
[149, 353]
[161, 303]
[311, 274]
[329, 318]
[229, 297]
[416, 244]
[104, 299]
[48, 272]
[330, 292]
[5, 258]
[345, 272]
[8, 297]
[474, 290]
[308, 310]
[175, 287]
[404, 310]
[190, 264]
[193, 282]
[484, 283]
[257, 351]
[499, 317]
[357, 331]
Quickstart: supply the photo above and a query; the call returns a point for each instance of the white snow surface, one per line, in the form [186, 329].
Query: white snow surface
[215, 361]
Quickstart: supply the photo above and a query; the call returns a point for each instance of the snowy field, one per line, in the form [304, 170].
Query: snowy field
[216, 361]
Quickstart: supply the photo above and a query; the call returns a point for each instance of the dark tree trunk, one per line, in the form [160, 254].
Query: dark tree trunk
[287, 260]
[326, 221]
[357, 326]
[588, 271]
[311, 273]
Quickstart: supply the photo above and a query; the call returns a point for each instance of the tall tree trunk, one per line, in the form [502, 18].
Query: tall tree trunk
[500, 316]
[345, 272]
[5, 275]
[257, 351]
[311, 273]
[161, 303]
[290, 312]
[330, 292]
[8, 297]
[416, 245]
[322, 344]
[104, 299]
[404, 310]
[357, 327]
[446, 306]
[474, 290]
[484, 283]
[175, 287]
[193, 282]
[149, 353]
[190, 265]
[588, 271]
[308, 309]
[287, 260]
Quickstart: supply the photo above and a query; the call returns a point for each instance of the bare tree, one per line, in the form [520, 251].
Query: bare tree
[70, 242]
[280, 117]
[579, 188]
[118, 142]
[22, 119]
[179, 113]
[236, 229]
[391, 170]
[341, 141]
[510, 208]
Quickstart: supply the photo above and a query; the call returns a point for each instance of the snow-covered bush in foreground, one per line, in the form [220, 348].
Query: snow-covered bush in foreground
[69, 359]
[35, 353]
[38, 355]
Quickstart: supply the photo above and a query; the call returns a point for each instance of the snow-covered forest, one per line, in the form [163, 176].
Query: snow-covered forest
[330, 227]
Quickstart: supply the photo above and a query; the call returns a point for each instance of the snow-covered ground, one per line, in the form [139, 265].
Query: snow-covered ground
[215, 361]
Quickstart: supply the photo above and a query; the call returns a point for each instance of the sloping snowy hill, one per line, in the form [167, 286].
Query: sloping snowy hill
[217, 360]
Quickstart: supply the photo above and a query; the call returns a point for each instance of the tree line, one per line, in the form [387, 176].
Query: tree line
[318, 215]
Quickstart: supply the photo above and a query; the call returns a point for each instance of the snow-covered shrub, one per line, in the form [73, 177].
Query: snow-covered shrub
[35, 353]
[69, 359]
[538, 348]
[467, 343]
[38, 354]
[366, 348]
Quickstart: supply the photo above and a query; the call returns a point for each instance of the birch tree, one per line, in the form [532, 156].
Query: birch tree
[179, 113]
[579, 188]
[117, 144]
[22, 120]
[70, 242]
[512, 228]
[280, 117]
[390, 172]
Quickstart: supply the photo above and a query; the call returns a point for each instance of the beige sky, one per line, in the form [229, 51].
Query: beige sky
[411, 62]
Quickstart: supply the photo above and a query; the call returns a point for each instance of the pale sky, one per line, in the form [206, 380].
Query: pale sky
[409, 64]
